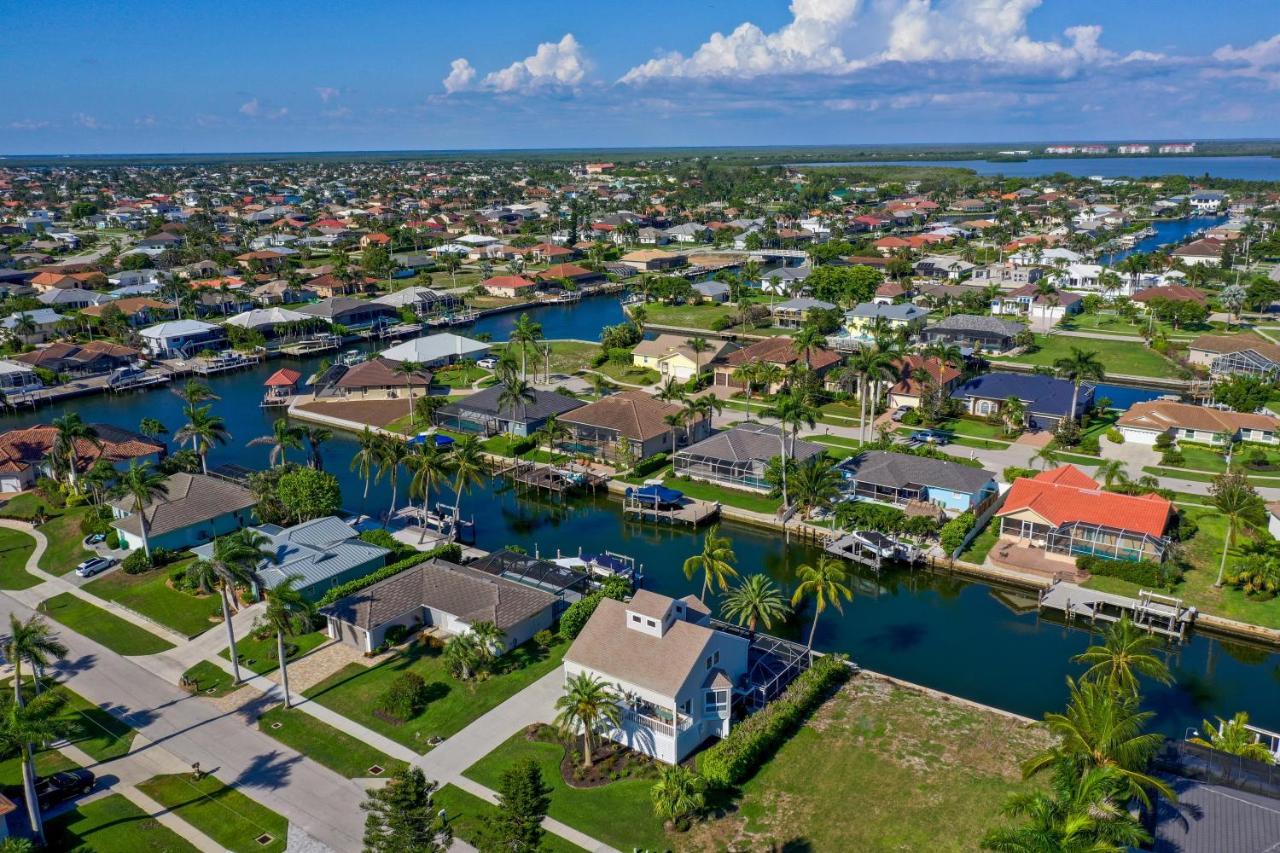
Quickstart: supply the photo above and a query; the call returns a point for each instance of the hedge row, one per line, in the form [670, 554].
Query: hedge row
[648, 466]
[1141, 572]
[450, 551]
[733, 760]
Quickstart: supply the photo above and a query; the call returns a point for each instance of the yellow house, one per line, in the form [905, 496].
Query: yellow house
[672, 356]
[863, 319]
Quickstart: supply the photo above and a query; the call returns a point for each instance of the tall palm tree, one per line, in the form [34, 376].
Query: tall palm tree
[587, 703]
[409, 370]
[1126, 654]
[715, 562]
[284, 437]
[671, 390]
[697, 345]
[748, 374]
[144, 485]
[871, 365]
[287, 612]
[1077, 814]
[204, 429]
[32, 642]
[1233, 737]
[825, 582]
[392, 452]
[515, 395]
[552, 431]
[1112, 471]
[524, 334]
[1103, 728]
[21, 726]
[1079, 367]
[235, 558]
[152, 428]
[755, 601]
[806, 341]
[315, 437]
[1234, 498]
[815, 485]
[429, 466]
[71, 432]
[469, 469]
[365, 459]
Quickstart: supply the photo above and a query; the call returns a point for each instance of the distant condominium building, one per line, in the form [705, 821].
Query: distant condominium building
[1094, 149]
[1060, 149]
[1133, 149]
[1178, 148]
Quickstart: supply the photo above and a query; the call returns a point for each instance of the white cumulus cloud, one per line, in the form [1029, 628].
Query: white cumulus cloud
[555, 64]
[1260, 59]
[461, 76]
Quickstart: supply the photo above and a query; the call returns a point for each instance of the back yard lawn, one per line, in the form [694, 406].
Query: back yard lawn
[223, 813]
[1121, 357]
[902, 762]
[15, 549]
[149, 593]
[103, 627]
[618, 814]
[113, 823]
[730, 497]
[353, 690]
[459, 376]
[982, 543]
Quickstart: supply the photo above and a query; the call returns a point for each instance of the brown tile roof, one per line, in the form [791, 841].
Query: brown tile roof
[941, 372]
[632, 414]
[189, 499]
[1236, 343]
[380, 373]
[129, 306]
[30, 445]
[1162, 415]
[666, 344]
[781, 352]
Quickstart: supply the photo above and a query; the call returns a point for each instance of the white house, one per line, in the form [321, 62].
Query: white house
[182, 338]
[443, 348]
[17, 378]
[675, 674]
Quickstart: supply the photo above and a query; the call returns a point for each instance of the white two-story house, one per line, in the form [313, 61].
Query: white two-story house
[674, 674]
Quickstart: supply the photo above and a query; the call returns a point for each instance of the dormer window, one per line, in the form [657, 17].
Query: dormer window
[635, 618]
[651, 623]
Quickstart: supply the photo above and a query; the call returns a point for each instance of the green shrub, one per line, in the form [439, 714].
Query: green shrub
[912, 418]
[620, 355]
[1013, 472]
[599, 358]
[954, 531]
[1172, 456]
[1163, 440]
[383, 539]
[1090, 444]
[859, 515]
[520, 446]
[137, 563]
[575, 617]
[451, 552]
[404, 698]
[96, 521]
[1115, 436]
[544, 638]
[719, 324]
[1142, 572]
[647, 466]
[732, 761]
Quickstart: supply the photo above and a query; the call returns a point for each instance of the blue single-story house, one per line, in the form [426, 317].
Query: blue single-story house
[902, 478]
[193, 509]
[1047, 399]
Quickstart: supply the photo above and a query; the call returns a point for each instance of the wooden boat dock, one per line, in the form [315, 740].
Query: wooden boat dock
[686, 511]
[857, 549]
[1159, 614]
[552, 478]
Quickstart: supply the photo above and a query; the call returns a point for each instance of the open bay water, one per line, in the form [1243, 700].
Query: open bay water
[1244, 168]
[970, 639]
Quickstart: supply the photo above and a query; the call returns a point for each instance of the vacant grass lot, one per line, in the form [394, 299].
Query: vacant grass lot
[321, 742]
[566, 356]
[1204, 552]
[150, 594]
[618, 814]
[353, 690]
[459, 376]
[1120, 357]
[224, 814]
[629, 374]
[879, 768]
[730, 497]
[112, 824]
[686, 316]
[64, 551]
[467, 813]
[15, 550]
[97, 624]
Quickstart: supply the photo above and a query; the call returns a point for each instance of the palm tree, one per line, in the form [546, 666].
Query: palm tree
[365, 459]
[748, 374]
[1125, 654]
[429, 466]
[678, 795]
[553, 431]
[697, 345]
[515, 395]
[32, 642]
[235, 558]
[284, 437]
[671, 390]
[1233, 497]
[462, 655]
[71, 431]
[815, 485]
[806, 341]
[1080, 366]
[287, 612]
[145, 486]
[469, 468]
[1046, 456]
[152, 428]
[315, 437]
[1233, 737]
[715, 562]
[524, 334]
[675, 421]
[756, 600]
[409, 369]
[489, 638]
[825, 582]
[1103, 728]
[21, 726]
[205, 430]
[427, 406]
[391, 453]
[871, 364]
[1077, 814]
[1014, 413]
[1112, 471]
[587, 703]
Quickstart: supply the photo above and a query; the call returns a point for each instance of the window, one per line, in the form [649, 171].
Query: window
[708, 662]
[717, 656]
[635, 618]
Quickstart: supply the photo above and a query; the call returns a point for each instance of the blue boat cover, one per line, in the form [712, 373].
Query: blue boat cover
[655, 494]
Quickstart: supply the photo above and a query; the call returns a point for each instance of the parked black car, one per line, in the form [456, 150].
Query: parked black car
[57, 787]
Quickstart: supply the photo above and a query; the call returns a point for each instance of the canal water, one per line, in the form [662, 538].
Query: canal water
[964, 638]
[1245, 168]
[1168, 232]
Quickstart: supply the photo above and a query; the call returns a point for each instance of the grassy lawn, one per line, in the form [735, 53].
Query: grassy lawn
[207, 676]
[353, 690]
[1109, 323]
[321, 742]
[64, 552]
[112, 823]
[459, 376]
[629, 374]
[259, 655]
[1204, 552]
[1133, 359]
[102, 735]
[900, 764]
[834, 441]
[467, 813]
[972, 427]
[730, 497]
[1212, 459]
[566, 356]
[110, 630]
[47, 761]
[1201, 477]
[840, 412]
[223, 813]
[15, 549]
[150, 594]
[618, 814]
[685, 316]
[982, 544]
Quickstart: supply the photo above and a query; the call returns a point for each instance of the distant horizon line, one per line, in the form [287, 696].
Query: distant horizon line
[654, 148]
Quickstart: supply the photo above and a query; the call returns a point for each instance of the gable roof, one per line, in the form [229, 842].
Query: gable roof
[1237, 343]
[977, 323]
[318, 550]
[485, 401]
[29, 445]
[1063, 496]
[667, 345]
[381, 373]
[189, 499]
[781, 351]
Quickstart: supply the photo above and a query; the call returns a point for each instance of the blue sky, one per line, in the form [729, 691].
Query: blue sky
[127, 76]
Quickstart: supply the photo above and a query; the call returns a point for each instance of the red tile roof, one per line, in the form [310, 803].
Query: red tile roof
[1065, 495]
[283, 378]
[780, 351]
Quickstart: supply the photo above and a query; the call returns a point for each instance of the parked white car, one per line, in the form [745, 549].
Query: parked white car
[94, 565]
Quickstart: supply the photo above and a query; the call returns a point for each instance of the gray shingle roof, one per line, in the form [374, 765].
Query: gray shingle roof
[1214, 819]
[189, 499]
[900, 470]
[545, 404]
[747, 442]
[900, 311]
[978, 323]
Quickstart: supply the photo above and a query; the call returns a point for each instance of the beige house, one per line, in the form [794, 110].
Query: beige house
[1145, 422]
[631, 416]
[672, 356]
[652, 260]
